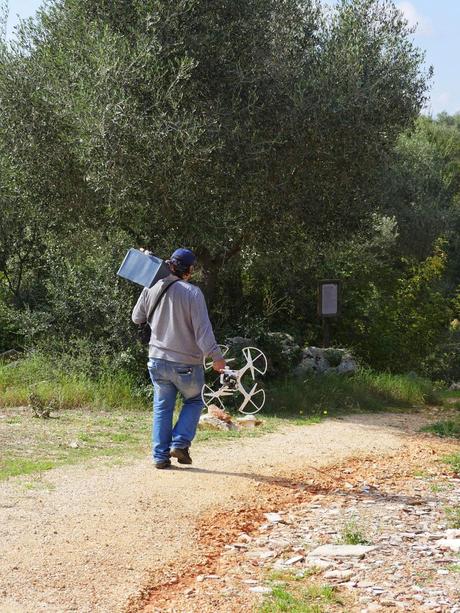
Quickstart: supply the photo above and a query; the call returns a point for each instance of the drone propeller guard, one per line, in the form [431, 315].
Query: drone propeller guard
[231, 382]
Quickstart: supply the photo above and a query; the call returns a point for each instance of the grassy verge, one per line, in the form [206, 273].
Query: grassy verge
[110, 416]
[64, 389]
[451, 399]
[116, 389]
[449, 428]
[365, 391]
[453, 461]
[31, 445]
[313, 599]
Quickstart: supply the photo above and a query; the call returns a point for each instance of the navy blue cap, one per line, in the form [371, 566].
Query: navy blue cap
[183, 257]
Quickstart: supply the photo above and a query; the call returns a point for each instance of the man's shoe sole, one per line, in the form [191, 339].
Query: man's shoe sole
[181, 456]
[165, 464]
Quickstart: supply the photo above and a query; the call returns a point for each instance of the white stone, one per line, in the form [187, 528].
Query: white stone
[452, 544]
[318, 563]
[267, 554]
[338, 574]
[274, 518]
[210, 422]
[365, 584]
[349, 584]
[259, 589]
[341, 551]
[293, 560]
[347, 366]
[453, 533]
[248, 422]
[260, 554]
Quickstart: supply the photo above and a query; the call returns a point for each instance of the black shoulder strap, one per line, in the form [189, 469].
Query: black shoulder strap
[160, 296]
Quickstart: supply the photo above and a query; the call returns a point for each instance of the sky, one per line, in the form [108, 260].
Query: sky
[438, 33]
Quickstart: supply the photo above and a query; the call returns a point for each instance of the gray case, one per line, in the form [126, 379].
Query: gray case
[143, 269]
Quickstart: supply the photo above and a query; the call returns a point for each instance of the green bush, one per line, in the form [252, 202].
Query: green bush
[406, 314]
[10, 338]
[443, 362]
[365, 391]
[282, 352]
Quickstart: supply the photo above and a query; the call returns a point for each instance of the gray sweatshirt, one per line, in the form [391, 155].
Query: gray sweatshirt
[181, 330]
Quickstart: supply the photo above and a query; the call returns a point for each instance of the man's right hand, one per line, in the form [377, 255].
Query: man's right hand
[218, 365]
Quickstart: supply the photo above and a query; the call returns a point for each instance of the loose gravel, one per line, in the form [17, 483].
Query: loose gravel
[98, 537]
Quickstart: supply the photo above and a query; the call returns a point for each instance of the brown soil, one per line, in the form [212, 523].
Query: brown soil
[101, 538]
[204, 587]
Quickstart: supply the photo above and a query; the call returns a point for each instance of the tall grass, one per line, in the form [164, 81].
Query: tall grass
[365, 391]
[56, 383]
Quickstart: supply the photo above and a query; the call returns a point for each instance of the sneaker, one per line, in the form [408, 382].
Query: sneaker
[182, 455]
[163, 464]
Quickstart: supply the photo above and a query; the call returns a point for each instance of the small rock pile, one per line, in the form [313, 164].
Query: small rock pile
[316, 360]
[217, 419]
[286, 356]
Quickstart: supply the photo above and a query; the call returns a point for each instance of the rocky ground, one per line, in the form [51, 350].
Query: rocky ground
[105, 537]
[397, 512]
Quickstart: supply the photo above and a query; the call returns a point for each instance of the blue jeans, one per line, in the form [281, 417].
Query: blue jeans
[168, 378]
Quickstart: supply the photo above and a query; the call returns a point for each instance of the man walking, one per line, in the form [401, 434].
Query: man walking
[181, 336]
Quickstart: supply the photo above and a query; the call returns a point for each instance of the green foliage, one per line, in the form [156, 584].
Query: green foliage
[453, 516]
[406, 316]
[282, 351]
[365, 391]
[333, 356]
[9, 335]
[454, 461]
[276, 139]
[422, 188]
[352, 534]
[444, 361]
[312, 599]
[446, 428]
[63, 385]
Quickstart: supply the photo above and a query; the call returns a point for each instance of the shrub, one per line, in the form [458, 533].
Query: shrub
[282, 352]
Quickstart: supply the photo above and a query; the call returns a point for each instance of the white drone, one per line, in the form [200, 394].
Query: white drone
[230, 382]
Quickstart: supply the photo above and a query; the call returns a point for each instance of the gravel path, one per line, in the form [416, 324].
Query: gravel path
[407, 561]
[95, 535]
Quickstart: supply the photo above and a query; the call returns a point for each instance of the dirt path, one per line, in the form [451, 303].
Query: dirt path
[97, 537]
